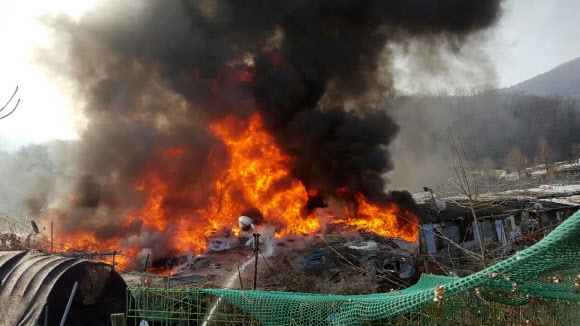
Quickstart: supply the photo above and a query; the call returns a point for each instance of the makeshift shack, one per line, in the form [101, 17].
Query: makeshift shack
[504, 225]
[35, 288]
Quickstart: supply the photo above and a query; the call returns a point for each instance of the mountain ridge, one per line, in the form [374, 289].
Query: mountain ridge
[563, 80]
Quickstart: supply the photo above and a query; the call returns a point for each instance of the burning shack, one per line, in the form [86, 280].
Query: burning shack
[199, 112]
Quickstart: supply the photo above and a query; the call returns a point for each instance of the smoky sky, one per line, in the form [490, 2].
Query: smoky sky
[154, 74]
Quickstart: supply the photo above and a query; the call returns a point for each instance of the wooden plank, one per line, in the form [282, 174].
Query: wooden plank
[118, 320]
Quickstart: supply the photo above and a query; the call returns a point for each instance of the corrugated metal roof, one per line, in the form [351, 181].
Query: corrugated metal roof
[27, 279]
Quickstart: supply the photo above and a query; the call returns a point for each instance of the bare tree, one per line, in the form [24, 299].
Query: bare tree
[467, 182]
[545, 156]
[487, 163]
[488, 166]
[515, 160]
[7, 103]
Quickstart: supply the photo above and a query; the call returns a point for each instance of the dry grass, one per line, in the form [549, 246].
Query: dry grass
[280, 279]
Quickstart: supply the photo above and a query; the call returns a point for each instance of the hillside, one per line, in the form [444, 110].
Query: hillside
[564, 80]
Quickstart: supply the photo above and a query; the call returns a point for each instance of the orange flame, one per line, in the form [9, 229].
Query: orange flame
[259, 171]
[389, 221]
[258, 176]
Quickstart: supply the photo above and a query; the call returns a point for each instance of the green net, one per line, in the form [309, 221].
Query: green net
[549, 271]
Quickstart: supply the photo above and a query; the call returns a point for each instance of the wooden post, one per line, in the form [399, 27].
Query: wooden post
[51, 237]
[118, 319]
[256, 239]
[167, 298]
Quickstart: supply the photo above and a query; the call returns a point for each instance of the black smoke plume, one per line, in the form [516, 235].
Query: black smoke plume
[153, 74]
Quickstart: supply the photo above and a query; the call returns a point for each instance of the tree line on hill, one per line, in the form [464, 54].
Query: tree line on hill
[498, 129]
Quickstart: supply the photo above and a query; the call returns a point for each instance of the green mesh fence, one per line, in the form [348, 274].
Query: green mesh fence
[542, 281]
[181, 307]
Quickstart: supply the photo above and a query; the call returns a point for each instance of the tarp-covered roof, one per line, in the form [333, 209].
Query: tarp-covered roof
[31, 279]
[484, 209]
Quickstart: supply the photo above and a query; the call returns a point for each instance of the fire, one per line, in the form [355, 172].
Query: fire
[85, 241]
[385, 221]
[258, 176]
[259, 170]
